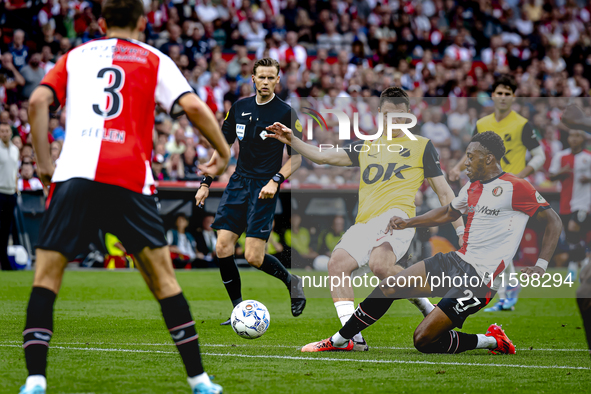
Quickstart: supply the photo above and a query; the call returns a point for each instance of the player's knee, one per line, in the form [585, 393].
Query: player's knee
[165, 287]
[224, 249]
[381, 260]
[337, 267]
[380, 270]
[48, 277]
[422, 341]
[253, 258]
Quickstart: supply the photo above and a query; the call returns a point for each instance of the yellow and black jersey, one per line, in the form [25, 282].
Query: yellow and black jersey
[519, 137]
[392, 179]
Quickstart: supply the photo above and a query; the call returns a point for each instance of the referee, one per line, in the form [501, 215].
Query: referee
[251, 195]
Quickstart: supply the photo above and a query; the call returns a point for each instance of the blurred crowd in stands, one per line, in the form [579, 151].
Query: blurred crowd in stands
[330, 50]
[346, 48]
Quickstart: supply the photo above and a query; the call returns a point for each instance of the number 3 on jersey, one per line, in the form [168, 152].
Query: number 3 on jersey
[116, 78]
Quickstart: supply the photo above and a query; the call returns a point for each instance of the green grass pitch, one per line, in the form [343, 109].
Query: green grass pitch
[109, 337]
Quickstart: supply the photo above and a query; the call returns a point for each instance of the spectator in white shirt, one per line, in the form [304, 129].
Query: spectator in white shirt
[553, 62]
[253, 32]
[9, 156]
[458, 123]
[206, 11]
[331, 40]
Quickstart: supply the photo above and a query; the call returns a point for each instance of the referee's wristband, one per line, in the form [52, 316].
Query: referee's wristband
[206, 181]
[460, 231]
[279, 178]
[543, 264]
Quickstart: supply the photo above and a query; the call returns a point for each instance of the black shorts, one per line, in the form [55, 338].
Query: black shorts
[79, 208]
[582, 218]
[463, 298]
[241, 208]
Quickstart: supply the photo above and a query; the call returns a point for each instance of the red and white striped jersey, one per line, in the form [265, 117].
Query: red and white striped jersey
[297, 53]
[110, 88]
[575, 195]
[498, 211]
[32, 184]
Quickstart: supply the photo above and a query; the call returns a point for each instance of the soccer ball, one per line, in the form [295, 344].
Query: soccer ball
[250, 319]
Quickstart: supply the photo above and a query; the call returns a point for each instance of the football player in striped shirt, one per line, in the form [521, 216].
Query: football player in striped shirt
[103, 181]
[519, 138]
[498, 206]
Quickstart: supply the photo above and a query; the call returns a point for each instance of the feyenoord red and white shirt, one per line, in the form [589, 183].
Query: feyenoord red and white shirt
[110, 88]
[575, 195]
[32, 184]
[498, 211]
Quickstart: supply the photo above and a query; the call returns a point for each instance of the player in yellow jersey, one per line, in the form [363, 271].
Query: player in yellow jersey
[515, 130]
[391, 173]
[519, 137]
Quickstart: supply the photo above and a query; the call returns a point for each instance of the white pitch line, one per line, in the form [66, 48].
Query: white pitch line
[325, 358]
[271, 346]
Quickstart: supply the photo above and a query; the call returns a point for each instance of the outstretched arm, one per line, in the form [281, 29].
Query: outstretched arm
[435, 217]
[335, 157]
[551, 220]
[574, 118]
[39, 103]
[530, 140]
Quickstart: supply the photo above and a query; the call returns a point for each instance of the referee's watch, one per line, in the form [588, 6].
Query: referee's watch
[279, 178]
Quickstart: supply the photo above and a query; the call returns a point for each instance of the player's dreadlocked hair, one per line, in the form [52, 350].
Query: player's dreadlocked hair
[505, 80]
[394, 95]
[492, 143]
[265, 62]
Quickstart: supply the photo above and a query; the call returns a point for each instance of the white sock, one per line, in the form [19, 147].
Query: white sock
[195, 380]
[339, 341]
[36, 380]
[423, 304]
[346, 309]
[485, 342]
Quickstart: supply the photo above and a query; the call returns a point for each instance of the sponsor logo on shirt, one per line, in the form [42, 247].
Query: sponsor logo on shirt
[539, 198]
[240, 129]
[111, 135]
[484, 210]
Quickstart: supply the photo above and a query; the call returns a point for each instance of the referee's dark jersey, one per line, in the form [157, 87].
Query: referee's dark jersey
[260, 157]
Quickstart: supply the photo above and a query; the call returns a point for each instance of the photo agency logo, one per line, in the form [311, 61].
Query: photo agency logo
[345, 128]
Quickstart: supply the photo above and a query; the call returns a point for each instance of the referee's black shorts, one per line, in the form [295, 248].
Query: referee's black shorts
[241, 208]
[78, 208]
